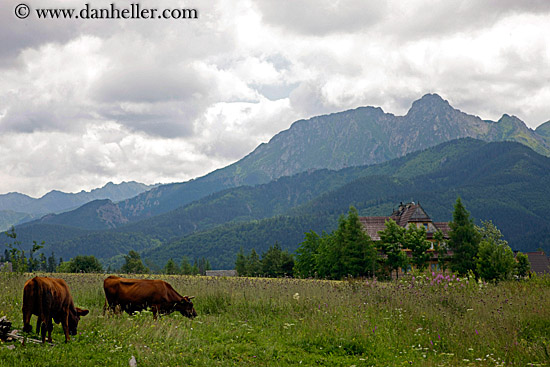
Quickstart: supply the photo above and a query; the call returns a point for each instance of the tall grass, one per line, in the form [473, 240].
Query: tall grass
[428, 320]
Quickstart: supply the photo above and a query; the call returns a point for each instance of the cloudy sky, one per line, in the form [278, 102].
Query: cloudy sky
[84, 102]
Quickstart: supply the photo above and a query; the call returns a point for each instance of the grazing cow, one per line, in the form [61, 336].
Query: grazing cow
[49, 298]
[133, 295]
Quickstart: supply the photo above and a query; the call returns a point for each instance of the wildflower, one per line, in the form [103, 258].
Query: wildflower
[296, 296]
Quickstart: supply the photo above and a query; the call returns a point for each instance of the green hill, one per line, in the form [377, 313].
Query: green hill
[504, 182]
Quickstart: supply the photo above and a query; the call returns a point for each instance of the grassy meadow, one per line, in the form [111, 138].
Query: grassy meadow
[427, 320]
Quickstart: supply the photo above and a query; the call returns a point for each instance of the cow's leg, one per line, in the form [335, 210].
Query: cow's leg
[27, 328]
[155, 309]
[65, 324]
[38, 324]
[50, 328]
[44, 326]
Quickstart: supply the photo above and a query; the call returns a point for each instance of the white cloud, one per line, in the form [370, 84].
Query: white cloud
[87, 102]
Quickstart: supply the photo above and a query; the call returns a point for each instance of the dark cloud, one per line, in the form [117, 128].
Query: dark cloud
[17, 35]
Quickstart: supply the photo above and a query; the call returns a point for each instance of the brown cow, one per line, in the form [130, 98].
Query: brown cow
[50, 298]
[133, 295]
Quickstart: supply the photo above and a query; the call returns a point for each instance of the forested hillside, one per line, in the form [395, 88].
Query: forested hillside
[505, 182]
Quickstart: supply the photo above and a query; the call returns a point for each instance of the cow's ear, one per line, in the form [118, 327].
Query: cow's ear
[81, 312]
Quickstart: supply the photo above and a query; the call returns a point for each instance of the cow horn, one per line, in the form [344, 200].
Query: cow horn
[190, 297]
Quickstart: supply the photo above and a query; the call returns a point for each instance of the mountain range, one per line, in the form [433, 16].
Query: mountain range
[366, 135]
[16, 208]
[292, 181]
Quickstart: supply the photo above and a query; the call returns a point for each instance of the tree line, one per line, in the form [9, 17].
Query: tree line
[274, 263]
[348, 251]
[133, 263]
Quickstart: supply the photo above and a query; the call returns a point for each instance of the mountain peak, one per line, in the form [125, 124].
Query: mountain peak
[430, 102]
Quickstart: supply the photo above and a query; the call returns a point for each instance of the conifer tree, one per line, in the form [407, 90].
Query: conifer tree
[463, 240]
[186, 267]
[171, 268]
[241, 264]
[254, 264]
[306, 256]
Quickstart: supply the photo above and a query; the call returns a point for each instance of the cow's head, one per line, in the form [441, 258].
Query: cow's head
[185, 306]
[74, 318]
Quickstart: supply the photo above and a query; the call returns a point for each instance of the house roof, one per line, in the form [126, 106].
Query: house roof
[406, 213]
[410, 212]
[540, 263]
[373, 225]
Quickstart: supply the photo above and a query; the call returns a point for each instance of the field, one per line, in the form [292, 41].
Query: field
[429, 320]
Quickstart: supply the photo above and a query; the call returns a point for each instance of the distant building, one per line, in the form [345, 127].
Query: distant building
[540, 264]
[406, 215]
[221, 273]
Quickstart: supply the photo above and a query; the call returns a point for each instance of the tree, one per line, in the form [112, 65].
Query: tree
[133, 264]
[52, 263]
[254, 264]
[306, 256]
[358, 255]
[495, 259]
[63, 267]
[171, 267]
[186, 267]
[276, 262]
[241, 263]
[463, 240]
[347, 251]
[327, 256]
[17, 254]
[415, 240]
[523, 265]
[42, 262]
[84, 264]
[203, 265]
[391, 245]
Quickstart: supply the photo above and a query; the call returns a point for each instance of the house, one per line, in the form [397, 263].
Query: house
[221, 273]
[406, 215]
[540, 264]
